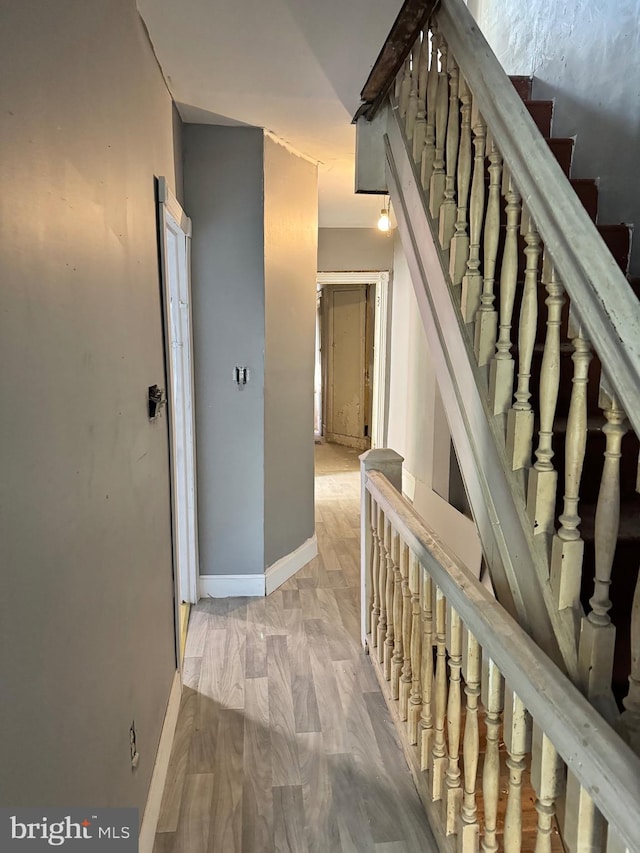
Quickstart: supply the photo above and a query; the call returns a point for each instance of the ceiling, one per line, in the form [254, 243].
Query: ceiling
[294, 67]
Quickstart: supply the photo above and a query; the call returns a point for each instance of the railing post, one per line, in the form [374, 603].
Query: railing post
[389, 463]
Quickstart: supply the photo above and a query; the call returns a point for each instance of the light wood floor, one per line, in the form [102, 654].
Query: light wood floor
[284, 742]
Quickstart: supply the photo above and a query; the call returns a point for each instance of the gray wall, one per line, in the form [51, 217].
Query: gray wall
[291, 227]
[585, 55]
[86, 610]
[353, 249]
[223, 186]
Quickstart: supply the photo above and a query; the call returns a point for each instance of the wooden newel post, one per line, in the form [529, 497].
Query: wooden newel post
[389, 463]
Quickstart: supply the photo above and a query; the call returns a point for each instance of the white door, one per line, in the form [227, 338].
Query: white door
[175, 243]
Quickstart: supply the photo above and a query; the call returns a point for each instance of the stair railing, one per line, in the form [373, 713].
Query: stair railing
[505, 751]
[522, 256]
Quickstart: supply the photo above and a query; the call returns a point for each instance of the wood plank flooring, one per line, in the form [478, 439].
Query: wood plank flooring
[284, 742]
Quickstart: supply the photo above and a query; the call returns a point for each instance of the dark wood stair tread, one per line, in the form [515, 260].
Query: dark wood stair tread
[542, 113]
[618, 240]
[562, 149]
[523, 86]
[587, 191]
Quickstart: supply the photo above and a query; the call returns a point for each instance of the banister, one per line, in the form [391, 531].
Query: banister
[605, 767]
[601, 296]
[411, 18]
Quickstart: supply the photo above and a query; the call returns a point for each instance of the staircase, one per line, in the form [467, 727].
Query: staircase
[534, 330]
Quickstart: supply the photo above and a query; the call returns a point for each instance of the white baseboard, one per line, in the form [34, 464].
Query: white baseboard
[408, 485]
[224, 586]
[286, 566]
[158, 778]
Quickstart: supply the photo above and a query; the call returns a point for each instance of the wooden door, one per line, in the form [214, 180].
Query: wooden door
[347, 400]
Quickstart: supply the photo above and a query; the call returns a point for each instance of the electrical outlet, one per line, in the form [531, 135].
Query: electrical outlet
[133, 748]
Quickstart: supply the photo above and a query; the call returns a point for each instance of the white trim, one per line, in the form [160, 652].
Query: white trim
[225, 586]
[380, 360]
[408, 485]
[283, 568]
[160, 768]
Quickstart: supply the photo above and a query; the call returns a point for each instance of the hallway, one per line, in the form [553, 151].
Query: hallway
[283, 741]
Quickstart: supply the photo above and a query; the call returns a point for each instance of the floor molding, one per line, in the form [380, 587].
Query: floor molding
[286, 566]
[225, 586]
[147, 836]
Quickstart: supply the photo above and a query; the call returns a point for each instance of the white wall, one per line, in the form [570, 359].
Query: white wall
[417, 427]
[223, 185]
[291, 234]
[354, 249]
[86, 610]
[585, 55]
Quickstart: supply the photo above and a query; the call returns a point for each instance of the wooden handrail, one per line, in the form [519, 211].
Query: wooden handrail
[603, 764]
[411, 19]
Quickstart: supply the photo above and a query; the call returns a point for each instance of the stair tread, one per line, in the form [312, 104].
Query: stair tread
[523, 85]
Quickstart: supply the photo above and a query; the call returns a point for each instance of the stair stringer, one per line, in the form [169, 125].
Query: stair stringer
[518, 566]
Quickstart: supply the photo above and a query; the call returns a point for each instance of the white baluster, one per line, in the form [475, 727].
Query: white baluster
[472, 280]
[375, 571]
[598, 634]
[412, 105]
[459, 251]
[453, 797]
[543, 478]
[382, 585]
[436, 187]
[405, 88]
[468, 827]
[517, 738]
[492, 699]
[426, 715]
[438, 764]
[407, 614]
[584, 827]
[447, 217]
[419, 131]
[501, 381]
[631, 714]
[390, 538]
[547, 780]
[568, 546]
[429, 153]
[487, 317]
[520, 418]
[415, 698]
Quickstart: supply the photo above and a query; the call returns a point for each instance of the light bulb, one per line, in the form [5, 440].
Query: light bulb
[383, 222]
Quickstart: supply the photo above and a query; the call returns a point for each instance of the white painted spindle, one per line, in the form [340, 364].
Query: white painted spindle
[568, 546]
[436, 188]
[547, 780]
[459, 251]
[429, 152]
[472, 280]
[468, 827]
[415, 698]
[598, 634]
[412, 104]
[487, 317]
[453, 795]
[502, 366]
[426, 715]
[520, 418]
[389, 537]
[420, 128]
[517, 738]
[439, 752]
[405, 88]
[407, 614]
[492, 699]
[447, 217]
[631, 713]
[382, 584]
[543, 478]
[375, 570]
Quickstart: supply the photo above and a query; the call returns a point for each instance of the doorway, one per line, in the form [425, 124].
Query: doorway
[175, 234]
[351, 356]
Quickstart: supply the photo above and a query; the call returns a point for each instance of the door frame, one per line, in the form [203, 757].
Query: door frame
[379, 379]
[171, 215]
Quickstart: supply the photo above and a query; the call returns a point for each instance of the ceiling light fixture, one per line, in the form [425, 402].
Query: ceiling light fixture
[384, 223]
